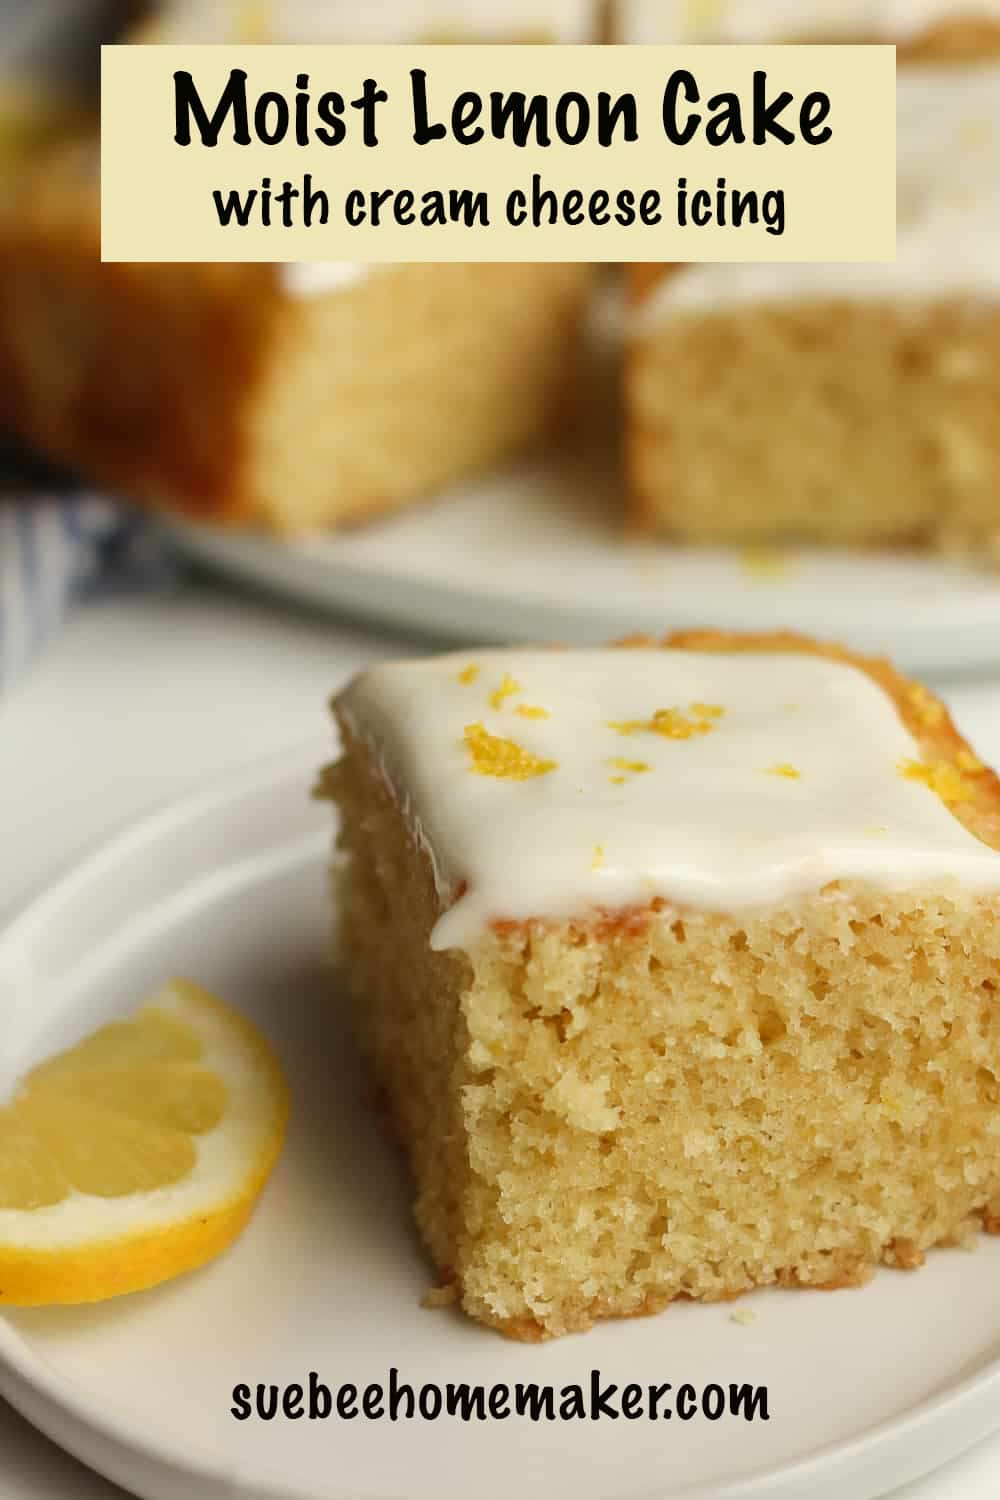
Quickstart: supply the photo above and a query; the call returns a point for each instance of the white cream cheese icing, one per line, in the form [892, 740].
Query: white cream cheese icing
[947, 214]
[792, 20]
[313, 278]
[798, 781]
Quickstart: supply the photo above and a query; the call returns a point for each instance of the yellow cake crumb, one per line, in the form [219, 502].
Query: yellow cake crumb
[494, 756]
[940, 776]
[507, 689]
[708, 710]
[583, 1102]
[620, 764]
[468, 674]
[617, 780]
[742, 1315]
[598, 860]
[783, 769]
[532, 711]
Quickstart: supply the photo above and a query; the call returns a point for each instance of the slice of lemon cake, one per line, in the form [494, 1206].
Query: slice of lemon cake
[677, 967]
[294, 397]
[841, 403]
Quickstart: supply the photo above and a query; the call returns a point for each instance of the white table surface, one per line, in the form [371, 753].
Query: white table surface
[149, 698]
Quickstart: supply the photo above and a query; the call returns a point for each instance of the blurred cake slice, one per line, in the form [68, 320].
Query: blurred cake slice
[678, 968]
[291, 397]
[838, 403]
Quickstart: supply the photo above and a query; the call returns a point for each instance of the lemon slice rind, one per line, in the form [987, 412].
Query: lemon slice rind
[86, 1247]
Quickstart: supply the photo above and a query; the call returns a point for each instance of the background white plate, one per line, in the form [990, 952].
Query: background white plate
[537, 553]
[867, 1388]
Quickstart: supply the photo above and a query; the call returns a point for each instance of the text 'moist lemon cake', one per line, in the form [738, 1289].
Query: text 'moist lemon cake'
[677, 966]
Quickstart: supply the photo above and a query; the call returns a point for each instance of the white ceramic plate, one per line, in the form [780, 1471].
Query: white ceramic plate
[866, 1388]
[536, 553]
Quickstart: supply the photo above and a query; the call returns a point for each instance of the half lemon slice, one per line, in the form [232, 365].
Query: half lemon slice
[138, 1154]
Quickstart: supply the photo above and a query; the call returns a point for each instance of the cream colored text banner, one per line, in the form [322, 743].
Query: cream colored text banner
[498, 153]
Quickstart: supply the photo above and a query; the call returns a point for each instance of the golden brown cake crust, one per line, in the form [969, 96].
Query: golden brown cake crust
[968, 38]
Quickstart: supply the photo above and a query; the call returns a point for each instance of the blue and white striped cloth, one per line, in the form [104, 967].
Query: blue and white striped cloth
[56, 550]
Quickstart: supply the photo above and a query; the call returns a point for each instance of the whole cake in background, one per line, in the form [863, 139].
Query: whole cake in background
[678, 968]
[292, 397]
[848, 403]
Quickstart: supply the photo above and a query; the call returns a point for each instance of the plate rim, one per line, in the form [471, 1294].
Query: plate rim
[112, 1442]
[395, 597]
